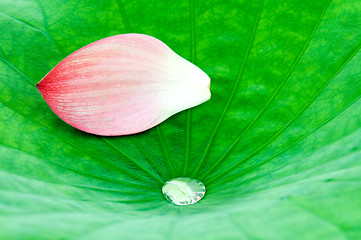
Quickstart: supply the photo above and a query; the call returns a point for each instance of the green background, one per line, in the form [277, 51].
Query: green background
[277, 146]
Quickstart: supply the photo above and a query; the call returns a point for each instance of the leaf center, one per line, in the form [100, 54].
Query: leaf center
[183, 191]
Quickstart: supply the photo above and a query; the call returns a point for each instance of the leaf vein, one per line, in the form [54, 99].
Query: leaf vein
[15, 69]
[47, 30]
[293, 119]
[165, 151]
[258, 116]
[133, 160]
[71, 169]
[189, 111]
[123, 15]
[293, 144]
[233, 93]
[74, 145]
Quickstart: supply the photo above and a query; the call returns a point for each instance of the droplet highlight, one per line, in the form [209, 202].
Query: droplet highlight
[184, 190]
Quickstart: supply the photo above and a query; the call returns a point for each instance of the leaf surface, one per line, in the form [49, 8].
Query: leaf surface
[277, 146]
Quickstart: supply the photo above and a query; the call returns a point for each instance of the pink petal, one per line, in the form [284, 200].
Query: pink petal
[123, 84]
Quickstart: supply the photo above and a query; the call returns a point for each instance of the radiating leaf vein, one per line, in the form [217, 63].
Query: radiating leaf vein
[233, 93]
[288, 123]
[258, 116]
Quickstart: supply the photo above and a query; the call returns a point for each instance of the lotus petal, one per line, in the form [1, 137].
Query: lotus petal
[122, 85]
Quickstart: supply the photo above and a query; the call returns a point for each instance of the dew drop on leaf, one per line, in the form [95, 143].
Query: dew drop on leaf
[183, 190]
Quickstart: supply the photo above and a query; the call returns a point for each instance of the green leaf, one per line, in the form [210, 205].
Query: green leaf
[277, 147]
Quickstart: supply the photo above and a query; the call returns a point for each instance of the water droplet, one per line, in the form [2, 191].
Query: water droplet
[183, 190]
